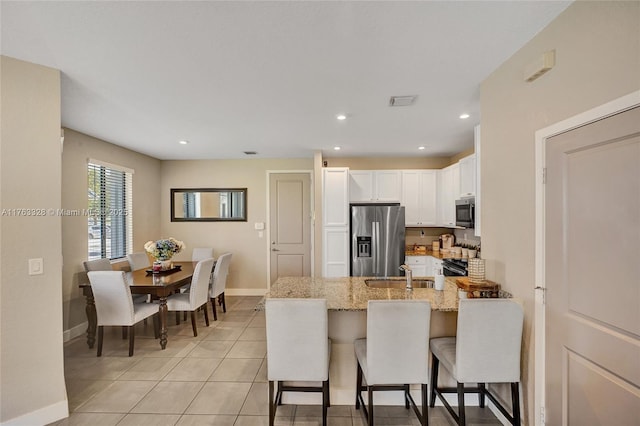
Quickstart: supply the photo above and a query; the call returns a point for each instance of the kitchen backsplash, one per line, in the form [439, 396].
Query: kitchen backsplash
[425, 236]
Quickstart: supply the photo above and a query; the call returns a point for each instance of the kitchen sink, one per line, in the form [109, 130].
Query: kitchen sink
[399, 283]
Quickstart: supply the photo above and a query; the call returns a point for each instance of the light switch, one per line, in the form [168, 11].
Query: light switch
[260, 234]
[258, 226]
[36, 266]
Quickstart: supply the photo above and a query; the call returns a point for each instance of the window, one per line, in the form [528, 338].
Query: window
[110, 220]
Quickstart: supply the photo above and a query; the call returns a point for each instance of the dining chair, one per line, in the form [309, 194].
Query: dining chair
[138, 260]
[486, 349]
[197, 295]
[97, 265]
[201, 253]
[219, 283]
[114, 305]
[298, 349]
[394, 354]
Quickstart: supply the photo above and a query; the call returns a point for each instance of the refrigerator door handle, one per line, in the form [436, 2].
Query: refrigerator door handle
[375, 231]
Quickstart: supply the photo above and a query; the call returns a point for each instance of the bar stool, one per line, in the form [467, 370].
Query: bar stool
[485, 350]
[395, 352]
[298, 349]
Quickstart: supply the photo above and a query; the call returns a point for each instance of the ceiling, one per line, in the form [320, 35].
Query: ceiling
[271, 77]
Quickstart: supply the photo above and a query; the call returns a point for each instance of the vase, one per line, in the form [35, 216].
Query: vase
[166, 264]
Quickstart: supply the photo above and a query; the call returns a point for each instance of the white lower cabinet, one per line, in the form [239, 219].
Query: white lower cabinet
[437, 266]
[335, 247]
[420, 265]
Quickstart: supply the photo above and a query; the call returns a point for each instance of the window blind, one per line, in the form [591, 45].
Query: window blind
[110, 220]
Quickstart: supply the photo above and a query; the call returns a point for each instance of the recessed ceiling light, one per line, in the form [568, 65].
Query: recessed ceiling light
[421, 148]
[336, 148]
[464, 116]
[183, 142]
[341, 117]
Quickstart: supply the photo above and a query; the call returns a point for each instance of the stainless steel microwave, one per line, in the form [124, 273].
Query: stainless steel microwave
[465, 212]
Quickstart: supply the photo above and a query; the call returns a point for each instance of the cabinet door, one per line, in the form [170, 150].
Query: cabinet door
[411, 197]
[335, 252]
[446, 198]
[335, 196]
[387, 186]
[476, 142]
[428, 198]
[361, 186]
[468, 176]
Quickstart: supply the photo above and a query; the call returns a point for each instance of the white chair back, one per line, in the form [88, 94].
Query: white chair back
[297, 339]
[112, 295]
[138, 260]
[220, 273]
[198, 293]
[397, 341]
[97, 265]
[488, 341]
[201, 253]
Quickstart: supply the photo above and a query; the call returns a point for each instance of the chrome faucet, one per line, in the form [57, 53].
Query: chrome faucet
[408, 274]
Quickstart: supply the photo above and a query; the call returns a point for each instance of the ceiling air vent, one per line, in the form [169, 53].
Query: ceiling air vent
[396, 101]
[250, 152]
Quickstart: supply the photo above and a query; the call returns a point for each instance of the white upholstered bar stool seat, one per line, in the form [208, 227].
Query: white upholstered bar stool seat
[114, 305]
[298, 349]
[197, 295]
[395, 353]
[486, 349]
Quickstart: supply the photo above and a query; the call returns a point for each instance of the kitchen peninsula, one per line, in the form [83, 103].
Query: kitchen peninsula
[347, 300]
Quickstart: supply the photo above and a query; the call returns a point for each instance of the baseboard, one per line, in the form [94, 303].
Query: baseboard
[74, 332]
[42, 416]
[245, 291]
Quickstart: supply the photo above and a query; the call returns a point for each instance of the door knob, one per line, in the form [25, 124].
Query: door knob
[274, 249]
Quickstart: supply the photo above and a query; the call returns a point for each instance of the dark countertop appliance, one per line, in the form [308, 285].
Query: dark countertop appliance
[377, 240]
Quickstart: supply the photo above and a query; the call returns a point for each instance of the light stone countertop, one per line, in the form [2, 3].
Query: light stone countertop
[352, 294]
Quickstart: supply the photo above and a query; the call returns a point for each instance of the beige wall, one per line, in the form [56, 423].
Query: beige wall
[597, 60]
[32, 369]
[248, 270]
[78, 148]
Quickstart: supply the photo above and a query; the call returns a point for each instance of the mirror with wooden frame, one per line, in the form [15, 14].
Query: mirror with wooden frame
[208, 204]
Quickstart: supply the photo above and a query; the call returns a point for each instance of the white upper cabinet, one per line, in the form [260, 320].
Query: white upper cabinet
[419, 197]
[335, 196]
[367, 186]
[468, 176]
[448, 192]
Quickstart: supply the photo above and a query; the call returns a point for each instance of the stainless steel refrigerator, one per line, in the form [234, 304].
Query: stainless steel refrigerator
[377, 240]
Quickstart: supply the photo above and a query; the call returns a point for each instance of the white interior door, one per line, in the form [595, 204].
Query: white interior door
[592, 273]
[290, 225]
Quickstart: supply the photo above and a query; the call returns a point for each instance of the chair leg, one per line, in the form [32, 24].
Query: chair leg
[325, 401]
[481, 394]
[178, 318]
[370, 394]
[184, 316]
[193, 323]
[206, 314]
[434, 381]
[100, 338]
[358, 385]
[425, 411]
[272, 404]
[279, 393]
[461, 414]
[132, 337]
[213, 308]
[515, 399]
[406, 396]
[222, 302]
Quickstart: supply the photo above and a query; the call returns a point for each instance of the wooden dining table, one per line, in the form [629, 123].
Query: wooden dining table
[159, 286]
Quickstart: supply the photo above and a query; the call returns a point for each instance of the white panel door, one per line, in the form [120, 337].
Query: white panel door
[592, 270]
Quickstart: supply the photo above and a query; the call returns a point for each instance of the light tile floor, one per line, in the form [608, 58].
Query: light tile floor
[216, 378]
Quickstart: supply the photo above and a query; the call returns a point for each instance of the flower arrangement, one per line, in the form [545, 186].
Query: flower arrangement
[164, 249]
